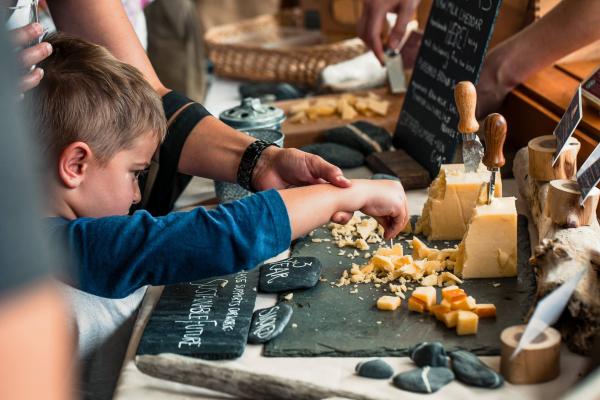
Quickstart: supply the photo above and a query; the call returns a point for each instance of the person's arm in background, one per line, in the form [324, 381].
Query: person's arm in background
[569, 26]
[213, 149]
[373, 19]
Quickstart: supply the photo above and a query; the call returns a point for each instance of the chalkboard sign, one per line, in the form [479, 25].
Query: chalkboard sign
[567, 124]
[588, 175]
[207, 319]
[452, 50]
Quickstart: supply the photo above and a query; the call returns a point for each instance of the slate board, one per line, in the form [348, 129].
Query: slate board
[331, 322]
[452, 50]
[207, 319]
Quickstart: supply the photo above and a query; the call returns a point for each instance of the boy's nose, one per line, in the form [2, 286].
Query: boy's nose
[137, 194]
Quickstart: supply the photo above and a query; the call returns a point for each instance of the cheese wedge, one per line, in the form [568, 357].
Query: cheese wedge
[489, 248]
[452, 197]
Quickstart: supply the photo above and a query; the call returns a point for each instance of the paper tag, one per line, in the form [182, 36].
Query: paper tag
[588, 175]
[568, 123]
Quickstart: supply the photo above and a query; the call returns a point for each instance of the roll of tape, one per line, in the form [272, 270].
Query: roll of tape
[537, 362]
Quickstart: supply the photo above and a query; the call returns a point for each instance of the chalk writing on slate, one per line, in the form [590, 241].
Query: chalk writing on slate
[452, 50]
[290, 274]
[567, 124]
[207, 319]
[588, 175]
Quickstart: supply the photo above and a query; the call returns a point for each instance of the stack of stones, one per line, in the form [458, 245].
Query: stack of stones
[435, 369]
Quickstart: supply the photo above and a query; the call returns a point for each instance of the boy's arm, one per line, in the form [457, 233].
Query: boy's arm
[113, 256]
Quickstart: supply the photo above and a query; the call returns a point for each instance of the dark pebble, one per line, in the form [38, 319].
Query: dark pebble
[341, 156]
[365, 137]
[290, 274]
[424, 380]
[429, 354]
[470, 370]
[376, 369]
[268, 323]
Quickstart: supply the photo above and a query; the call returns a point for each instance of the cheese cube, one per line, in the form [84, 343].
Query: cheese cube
[366, 227]
[489, 248]
[466, 304]
[451, 200]
[440, 309]
[485, 310]
[446, 303]
[388, 303]
[415, 304]
[401, 261]
[467, 323]
[450, 319]
[454, 294]
[383, 263]
[426, 294]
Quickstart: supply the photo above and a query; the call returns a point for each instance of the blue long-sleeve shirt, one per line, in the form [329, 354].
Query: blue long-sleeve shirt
[113, 256]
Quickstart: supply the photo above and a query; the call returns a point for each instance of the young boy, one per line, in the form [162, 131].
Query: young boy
[100, 124]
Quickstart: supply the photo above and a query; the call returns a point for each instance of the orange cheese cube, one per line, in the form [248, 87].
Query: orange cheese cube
[485, 310]
[446, 303]
[454, 295]
[466, 304]
[467, 323]
[450, 319]
[388, 303]
[439, 309]
[426, 294]
[414, 304]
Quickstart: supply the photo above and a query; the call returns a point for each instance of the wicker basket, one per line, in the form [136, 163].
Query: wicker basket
[275, 48]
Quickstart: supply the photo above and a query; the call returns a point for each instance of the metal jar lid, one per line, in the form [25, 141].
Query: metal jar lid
[252, 114]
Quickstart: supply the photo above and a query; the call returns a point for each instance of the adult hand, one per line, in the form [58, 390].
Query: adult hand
[373, 18]
[30, 56]
[495, 82]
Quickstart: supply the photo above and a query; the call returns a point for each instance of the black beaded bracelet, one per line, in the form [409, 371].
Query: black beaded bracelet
[248, 162]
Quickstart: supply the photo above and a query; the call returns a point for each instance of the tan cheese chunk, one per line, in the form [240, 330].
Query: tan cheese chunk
[417, 305]
[485, 310]
[467, 323]
[489, 248]
[426, 294]
[465, 304]
[452, 197]
[450, 319]
[388, 303]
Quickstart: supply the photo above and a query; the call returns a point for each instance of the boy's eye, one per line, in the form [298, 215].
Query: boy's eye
[140, 173]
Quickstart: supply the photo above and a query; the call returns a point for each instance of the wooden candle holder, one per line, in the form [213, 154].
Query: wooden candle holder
[562, 204]
[541, 152]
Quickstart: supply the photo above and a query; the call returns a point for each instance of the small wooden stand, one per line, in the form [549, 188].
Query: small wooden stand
[562, 204]
[541, 151]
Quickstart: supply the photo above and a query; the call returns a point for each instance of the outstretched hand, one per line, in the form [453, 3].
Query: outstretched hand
[30, 56]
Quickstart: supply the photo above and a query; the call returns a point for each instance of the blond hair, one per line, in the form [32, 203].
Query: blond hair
[88, 95]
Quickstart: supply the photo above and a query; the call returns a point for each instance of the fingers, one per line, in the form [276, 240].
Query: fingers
[23, 36]
[405, 13]
[370, 28]
[321, 169]
[35, 54]
[31, 80]
[342, 217]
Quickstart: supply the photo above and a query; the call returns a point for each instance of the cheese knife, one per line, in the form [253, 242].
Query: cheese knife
[466, 101]
[494, 130]
[548, 311]
[395, 71]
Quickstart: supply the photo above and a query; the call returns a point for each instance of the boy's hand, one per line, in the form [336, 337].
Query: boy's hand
[283, 168]
[386, 202]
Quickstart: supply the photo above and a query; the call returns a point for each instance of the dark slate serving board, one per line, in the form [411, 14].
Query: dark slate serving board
[330, 321]
[207, 319]
[452, 50]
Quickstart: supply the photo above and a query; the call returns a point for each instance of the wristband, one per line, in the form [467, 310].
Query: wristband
[248, 162]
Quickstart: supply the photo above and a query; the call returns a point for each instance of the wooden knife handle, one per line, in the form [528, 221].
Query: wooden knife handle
[494, 128]
[466, 101]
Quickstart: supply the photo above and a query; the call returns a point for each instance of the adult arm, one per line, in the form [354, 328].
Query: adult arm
[212, 149]
[569, 26]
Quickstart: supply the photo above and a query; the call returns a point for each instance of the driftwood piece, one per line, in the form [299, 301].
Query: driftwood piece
[236, 381]
[561, 253]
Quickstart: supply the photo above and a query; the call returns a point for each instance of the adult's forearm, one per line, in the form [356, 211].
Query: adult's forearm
[105, 23]
[571, 25]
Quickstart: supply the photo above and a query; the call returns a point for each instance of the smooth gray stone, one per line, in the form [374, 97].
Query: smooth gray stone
[363, 140]
[429, 354]
[424, 380]
[384, 176]
[470, 370]
[268, 323]
[376, 369]
[290, 274]
[337, 154]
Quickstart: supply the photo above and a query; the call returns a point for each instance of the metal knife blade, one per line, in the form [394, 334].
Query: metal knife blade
[395, 71]
[492, 185]
[548, 311]
[472, 151]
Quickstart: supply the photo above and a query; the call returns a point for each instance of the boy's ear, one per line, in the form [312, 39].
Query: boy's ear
[73, 164]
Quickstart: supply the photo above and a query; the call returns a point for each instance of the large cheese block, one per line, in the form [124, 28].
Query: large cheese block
[489, 248]
[452, 197]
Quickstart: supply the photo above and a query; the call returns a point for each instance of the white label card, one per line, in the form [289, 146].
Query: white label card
[568, 123]
[588, 175]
